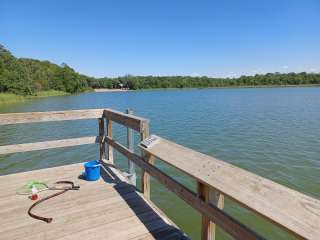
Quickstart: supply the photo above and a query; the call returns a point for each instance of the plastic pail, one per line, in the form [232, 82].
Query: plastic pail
[92, 170]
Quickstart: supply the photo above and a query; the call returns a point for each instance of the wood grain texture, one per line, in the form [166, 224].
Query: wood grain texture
[132, 176]
[225, 221]
[210, 196]
[109, 148]
[102, 144]
[27, 147]
[32, 117]
[145, 178]
[128, 120]
[110, 209]
[294, 211]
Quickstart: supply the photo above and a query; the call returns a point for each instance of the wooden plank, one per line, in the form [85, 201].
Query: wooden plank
[109, 134]
[7, 208]
[97, 210]
[68, 207]
[208, 228]
[27, 147]
[102, 144]
[77, 213]
[128, 120]
[294, 211]
[43, 174]
[72, 203]
[225, 221]
[124, 229]
[130, 142]
[32, 117]
[145, 178]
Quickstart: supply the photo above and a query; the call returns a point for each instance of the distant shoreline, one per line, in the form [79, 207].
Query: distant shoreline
[110, 90]
[218, 87]
[9, 98]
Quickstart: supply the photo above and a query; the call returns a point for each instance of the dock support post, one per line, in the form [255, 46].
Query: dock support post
[131, 165]
[102, 143]
[145, 177]
[109, 134]
[208, 228]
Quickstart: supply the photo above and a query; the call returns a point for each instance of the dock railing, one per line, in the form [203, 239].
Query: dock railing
[293, 211]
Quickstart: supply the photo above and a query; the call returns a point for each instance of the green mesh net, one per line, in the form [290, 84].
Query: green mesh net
[27, 189]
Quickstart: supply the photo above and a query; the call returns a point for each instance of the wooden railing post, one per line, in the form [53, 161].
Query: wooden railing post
[208, 228]
[109, 134]
[102, 144]
[131, 165]
[145, 177]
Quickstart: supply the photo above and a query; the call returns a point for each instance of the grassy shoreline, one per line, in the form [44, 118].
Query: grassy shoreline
[8, 98]
[49, 93]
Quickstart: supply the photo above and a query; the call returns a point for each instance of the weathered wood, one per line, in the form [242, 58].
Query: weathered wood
[130, 141]
[26, 147]
[32, 117]
[294, 211]
[102, 144]
[128, 120]
[109, 134]
[225, 221]
[99, 210]
[145, 178]
[208, 228]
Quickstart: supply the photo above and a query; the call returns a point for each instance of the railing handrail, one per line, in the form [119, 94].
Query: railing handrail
[292, 210]
[49, 116]
[138, 124]
[128, 120]
[61, 143]
[224, 220]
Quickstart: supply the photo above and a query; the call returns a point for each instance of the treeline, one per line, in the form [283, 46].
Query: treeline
[145, 82]
[28, 76]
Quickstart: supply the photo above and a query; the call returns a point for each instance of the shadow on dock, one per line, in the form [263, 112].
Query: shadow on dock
[151, 218]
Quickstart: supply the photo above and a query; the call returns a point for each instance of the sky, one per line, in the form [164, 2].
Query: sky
[223, 38]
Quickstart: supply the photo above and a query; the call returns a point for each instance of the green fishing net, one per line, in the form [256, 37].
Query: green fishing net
[27, 189]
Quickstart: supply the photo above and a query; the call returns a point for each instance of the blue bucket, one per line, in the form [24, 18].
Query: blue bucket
[92, 170]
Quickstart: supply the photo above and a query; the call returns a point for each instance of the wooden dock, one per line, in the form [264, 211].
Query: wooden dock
[113, 208]
[106, 209]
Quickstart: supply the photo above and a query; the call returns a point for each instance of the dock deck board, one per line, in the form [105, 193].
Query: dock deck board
[106, 209]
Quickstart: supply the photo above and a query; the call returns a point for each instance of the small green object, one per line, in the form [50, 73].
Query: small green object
[27, 189]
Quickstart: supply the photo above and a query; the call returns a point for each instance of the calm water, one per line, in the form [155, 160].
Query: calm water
[273, 132]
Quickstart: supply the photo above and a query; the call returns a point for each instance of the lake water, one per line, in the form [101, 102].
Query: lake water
[273, 132]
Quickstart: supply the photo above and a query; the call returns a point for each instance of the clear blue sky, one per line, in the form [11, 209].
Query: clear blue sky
[166, 37]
